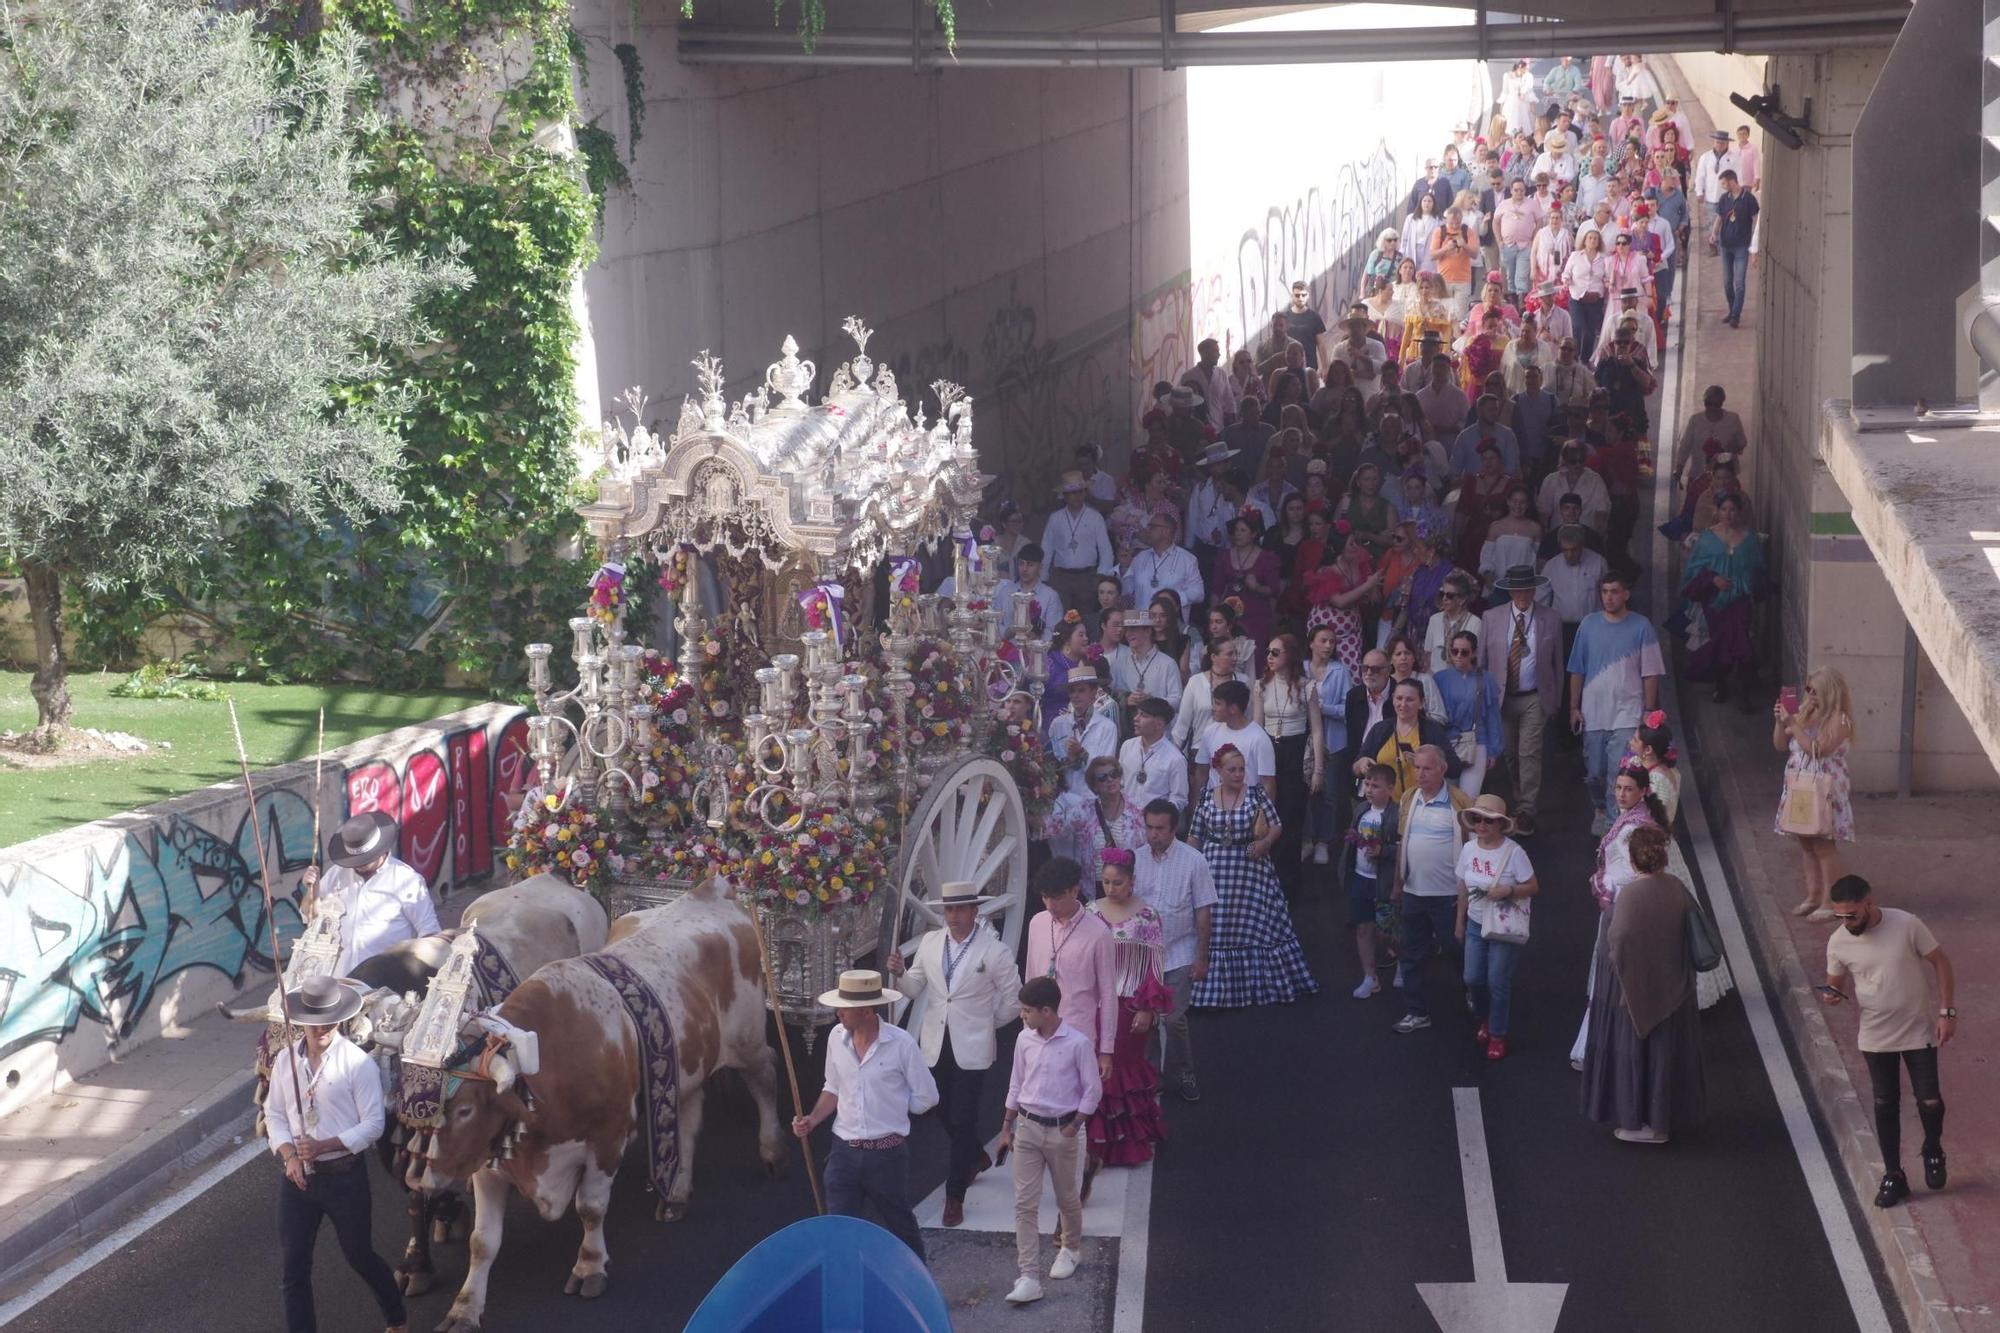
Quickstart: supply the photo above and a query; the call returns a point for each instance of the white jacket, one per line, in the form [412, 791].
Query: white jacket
[985, 999]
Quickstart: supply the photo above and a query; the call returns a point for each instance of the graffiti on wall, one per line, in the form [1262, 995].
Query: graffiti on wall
[176, 894]
[1164, 329]
[1323, 237]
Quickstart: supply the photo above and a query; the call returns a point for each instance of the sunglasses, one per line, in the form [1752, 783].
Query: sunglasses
[1461, 652]
[1449, 596]
[1373, 670]
[1107, 777]
[1480, 819]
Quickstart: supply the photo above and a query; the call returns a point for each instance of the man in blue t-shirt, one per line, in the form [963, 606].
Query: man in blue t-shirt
[1735, 227]
[1614, 680]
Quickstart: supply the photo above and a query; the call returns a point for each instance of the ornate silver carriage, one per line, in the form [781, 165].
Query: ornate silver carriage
[787, 714]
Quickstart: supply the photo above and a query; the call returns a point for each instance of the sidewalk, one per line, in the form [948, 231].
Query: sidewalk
[1931, 855]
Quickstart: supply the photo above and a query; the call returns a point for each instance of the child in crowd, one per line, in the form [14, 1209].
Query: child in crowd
[1371, 844]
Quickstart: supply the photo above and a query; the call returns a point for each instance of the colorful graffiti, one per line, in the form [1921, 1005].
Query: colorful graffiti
[1323, 237]
[171, 895]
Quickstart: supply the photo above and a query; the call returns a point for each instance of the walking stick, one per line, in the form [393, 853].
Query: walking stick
[271, 920]
[785, 1045]
[319, 768]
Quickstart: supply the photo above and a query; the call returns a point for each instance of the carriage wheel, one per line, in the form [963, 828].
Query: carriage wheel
[969, 826]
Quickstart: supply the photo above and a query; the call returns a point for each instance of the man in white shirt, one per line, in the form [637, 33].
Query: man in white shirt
[1556, 161]
[1217, 393]
[1078, 547]
[1100, 487]
[1164, 565]
[1593, 187]
[318, 1126]
[383, 901]
[1139, 670]
[1573, 577]
[1154, 769]
[1230, 703]
[1174, 880]
[875, 1081]
[1028, 578]
[1426, 878]
[1363, 354]
[974, 988]
[1574, 477]
[1080, 733]
[1209, 506]
[1708, 169]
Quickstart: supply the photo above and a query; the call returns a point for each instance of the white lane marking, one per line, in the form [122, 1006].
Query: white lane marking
[130, 1232]
[1128, 1311]
[1489, 1303]
[1850, 1258]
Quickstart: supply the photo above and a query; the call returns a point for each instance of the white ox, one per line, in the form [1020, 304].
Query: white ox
[700, 957]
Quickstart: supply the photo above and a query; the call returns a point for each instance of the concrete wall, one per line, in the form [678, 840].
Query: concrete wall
[996, 228]
[1271, 208]
[114, 931]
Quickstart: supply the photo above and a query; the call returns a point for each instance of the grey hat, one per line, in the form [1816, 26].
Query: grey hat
[1519, 578]
[322, 1002]
[361, 839]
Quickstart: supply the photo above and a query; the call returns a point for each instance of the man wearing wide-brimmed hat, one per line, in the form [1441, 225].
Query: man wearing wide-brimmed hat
[973, 987]
[319, 1122]
[1078, 546]
[384, 901]
[876, 1080]
[1080, 733]
[1520, 645]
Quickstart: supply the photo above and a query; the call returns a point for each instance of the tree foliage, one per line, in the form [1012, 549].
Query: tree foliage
[185, 288]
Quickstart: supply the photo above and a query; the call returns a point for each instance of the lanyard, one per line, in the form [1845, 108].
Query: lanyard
[952, 961]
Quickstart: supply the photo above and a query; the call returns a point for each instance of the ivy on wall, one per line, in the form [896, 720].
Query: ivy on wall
[478, 561]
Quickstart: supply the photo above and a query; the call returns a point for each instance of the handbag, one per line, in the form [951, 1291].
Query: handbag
[1506, 918]
[1807, 808]
[1703, 951]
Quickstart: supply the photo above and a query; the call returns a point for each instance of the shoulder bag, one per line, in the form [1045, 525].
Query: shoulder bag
[1703, 952]
[1506, 918]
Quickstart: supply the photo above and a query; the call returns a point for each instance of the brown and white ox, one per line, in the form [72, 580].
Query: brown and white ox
[530, 924]
[700, 957]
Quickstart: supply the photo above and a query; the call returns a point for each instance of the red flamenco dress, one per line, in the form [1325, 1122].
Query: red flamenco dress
[1127, 1122]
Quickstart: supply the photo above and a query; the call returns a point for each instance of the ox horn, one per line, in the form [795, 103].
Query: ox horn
[259, 1014]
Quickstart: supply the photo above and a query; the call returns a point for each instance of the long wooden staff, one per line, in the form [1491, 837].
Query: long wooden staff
[319, 769]
[785, 1045]
[271, 919]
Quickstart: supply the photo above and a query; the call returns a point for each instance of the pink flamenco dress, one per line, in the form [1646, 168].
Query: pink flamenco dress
[1127, 1122]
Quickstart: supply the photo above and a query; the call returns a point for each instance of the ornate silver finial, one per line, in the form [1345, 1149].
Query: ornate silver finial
[790, 378]
[861, 333]
[708, 374]
[434, 1035]
[885, 385]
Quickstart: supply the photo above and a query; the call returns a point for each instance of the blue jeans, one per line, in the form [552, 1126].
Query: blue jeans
[1429, 923]
[1489, 976]
[881, 1176]
[1735, 277]
[1602, 751]
[1514, 266]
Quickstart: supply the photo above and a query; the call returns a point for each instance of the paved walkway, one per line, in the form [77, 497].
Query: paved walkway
[1932, 855]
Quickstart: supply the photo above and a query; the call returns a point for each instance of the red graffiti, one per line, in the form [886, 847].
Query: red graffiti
[375, 786]
[511, 772]
[426, 814]
[478, 821]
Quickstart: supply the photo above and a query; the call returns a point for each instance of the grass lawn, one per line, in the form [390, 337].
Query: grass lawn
[279, 724]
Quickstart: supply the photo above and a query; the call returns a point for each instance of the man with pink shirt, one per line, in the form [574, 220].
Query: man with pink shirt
[1074, 947]
[1515, 221]
[1749, 162]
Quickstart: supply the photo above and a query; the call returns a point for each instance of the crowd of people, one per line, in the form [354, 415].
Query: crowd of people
[1355, 579]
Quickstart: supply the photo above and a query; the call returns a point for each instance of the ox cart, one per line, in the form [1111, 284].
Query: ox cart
[737, 710]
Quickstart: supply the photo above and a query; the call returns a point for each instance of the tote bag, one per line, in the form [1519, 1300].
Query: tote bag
[1506, 918]
[1807, 809]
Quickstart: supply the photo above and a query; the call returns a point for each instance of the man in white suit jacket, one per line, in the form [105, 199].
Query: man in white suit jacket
[974, 991]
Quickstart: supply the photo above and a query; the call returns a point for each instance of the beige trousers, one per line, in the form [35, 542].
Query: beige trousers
[1039, 1150]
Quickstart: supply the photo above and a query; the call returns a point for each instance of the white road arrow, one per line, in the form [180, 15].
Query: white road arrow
[1489, 1303]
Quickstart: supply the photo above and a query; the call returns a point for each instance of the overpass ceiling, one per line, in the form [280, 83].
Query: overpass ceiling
[1129, 32]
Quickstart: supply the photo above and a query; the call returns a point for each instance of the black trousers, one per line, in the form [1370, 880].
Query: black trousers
[338, 1192]
[1885, 1073]
[958, 1104]
[881, 1176]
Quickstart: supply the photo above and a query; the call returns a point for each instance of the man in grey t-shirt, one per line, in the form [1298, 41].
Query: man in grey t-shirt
[1426, 878]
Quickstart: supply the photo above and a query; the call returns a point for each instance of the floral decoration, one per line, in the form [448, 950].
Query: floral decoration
[607, 593]
[940, 710]
[1019, 748]
[829, 862]
[554, 836]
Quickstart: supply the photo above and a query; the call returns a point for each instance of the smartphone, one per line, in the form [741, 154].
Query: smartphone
[1831, 990]
[1788, 698]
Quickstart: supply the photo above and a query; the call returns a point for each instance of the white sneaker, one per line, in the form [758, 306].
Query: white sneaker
[1367, 988]
[1065, 1264]
[1320, 854]
[1025, 1290]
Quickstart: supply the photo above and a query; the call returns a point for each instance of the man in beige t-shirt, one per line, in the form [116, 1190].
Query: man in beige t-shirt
[1884, 949]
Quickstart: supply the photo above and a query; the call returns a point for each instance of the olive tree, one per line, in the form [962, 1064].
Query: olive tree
[186, 298]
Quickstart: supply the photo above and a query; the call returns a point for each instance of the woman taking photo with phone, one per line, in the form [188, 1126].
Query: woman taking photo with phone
[1815, 736]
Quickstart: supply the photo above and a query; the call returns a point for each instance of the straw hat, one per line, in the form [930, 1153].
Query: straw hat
[1488, 806]
[859, 989]
[1072, 481]
[960, 893]
[1082, 675]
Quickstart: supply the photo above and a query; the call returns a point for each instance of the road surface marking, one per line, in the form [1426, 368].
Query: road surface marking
[1489, 1303]
[1850, 1259]
[1128, 1311]
[130, 1232]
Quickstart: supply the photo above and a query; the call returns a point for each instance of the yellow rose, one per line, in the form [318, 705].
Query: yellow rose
[822, 895]
[551, 802]
[765, 859]
[513, 863]
[565, 834]
[838, 884]
[599, 844]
